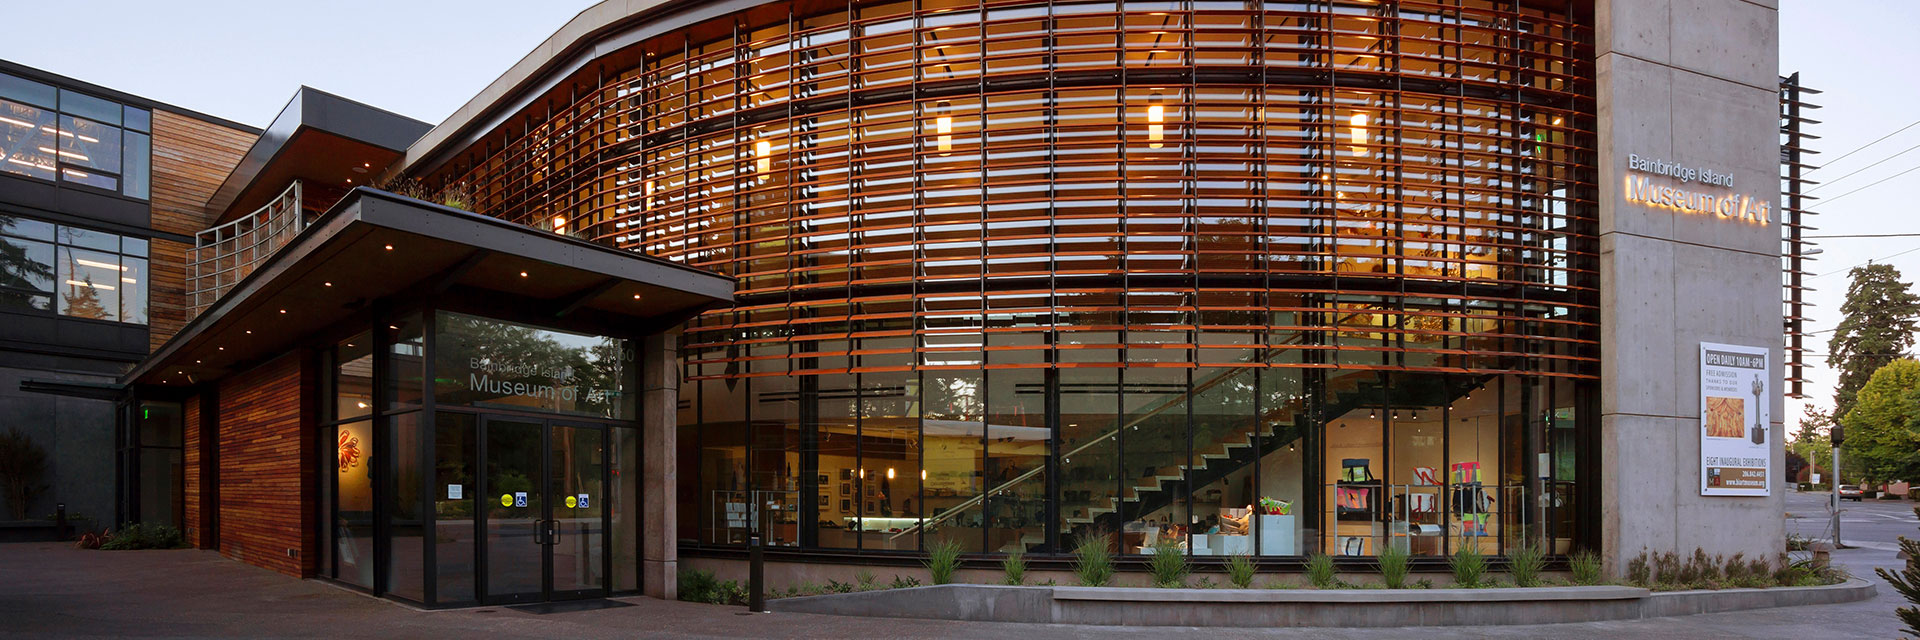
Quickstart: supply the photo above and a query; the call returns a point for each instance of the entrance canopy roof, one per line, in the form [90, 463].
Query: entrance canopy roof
[377, 248]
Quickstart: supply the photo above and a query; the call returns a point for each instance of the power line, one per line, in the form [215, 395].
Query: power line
[1866, 235]
[1831, 200]
[1823, 275]
[1856, 171]
[1863, 147]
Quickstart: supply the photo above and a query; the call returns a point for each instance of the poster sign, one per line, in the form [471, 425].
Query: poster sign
[1735, 397]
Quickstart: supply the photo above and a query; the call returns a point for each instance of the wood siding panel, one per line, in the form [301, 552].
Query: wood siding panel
[190, 159]
[190, 463]
[268, 477]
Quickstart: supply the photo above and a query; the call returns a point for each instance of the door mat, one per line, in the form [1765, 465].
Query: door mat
[565, 606]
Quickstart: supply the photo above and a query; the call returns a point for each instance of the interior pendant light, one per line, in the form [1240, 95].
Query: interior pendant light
[943, 128]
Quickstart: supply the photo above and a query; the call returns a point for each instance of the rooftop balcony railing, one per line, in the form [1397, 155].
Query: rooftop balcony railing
[226, 254]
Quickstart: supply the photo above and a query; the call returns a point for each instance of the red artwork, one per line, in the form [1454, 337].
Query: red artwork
[349, 451]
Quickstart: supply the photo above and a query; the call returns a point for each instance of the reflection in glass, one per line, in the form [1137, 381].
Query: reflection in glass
[578, 502]
[133, 290]
[406, 525]
[89, 284]
[26, 140]
[353, 377]
[454, 492]
[26, 274]
[955, 408]
[514, 506]
[353, 503]
[491, 363]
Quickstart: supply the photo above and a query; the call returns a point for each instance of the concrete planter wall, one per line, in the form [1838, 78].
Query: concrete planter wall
[1304, 607]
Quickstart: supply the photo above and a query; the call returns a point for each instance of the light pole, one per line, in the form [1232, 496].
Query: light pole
[1835, 435]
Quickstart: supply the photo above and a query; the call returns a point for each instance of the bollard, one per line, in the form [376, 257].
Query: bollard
[60, 521]
[756, 576]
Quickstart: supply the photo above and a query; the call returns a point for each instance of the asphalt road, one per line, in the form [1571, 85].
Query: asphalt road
[1868, 524]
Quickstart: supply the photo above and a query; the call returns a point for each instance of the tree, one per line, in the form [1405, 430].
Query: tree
[22, 463]
[1812, 441]
[1876, 327]
[1883, 429]
[1906, 581]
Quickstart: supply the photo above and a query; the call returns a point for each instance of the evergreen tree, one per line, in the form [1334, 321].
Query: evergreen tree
[1907, 581]
[1876, 327]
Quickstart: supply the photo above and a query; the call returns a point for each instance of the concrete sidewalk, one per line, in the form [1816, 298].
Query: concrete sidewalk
[49, 590]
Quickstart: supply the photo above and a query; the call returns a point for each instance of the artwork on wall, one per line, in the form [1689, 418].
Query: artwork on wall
[822, 480]
[846, 489]
[846, 505]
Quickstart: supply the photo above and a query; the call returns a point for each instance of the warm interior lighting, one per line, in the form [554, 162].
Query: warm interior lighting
[101, 265]
[361, 405]
[1156, 124]
[389, 247]
[1357, 133]
[889, 473]
[923, 475]
[523, 274]
[559, 223]
[329, 284]
[762, 158]
[943, 126]
[1557, 120]
[78, 283]
[283, 311]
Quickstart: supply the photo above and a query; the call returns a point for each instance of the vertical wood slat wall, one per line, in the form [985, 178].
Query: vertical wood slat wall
[191, 158]
[268, 472]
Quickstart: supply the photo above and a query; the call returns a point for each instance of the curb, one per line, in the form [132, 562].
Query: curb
[1126, 606]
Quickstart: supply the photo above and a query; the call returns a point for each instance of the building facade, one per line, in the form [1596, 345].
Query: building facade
[100, 195]
[1273, 279]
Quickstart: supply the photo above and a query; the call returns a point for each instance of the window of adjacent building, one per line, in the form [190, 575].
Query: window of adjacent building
[75, 272]
[48, 133]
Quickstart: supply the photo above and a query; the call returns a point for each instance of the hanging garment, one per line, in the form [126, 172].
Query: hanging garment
[1464, 472]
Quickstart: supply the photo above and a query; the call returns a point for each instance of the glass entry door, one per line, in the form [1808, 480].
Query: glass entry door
[543, 509]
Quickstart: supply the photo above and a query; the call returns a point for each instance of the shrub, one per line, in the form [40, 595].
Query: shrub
[1797, 542]
[1240, 570]
[836, 586]
[1393, 566]
[866, 579]
[696, 585]
[943, 558]
[1667, 570]
[143, 536]
[1524, 563]
[902, 582]
[1320, 572]
[1015, 566]
[1640, 571]
[730, 592]
[1093, 561]
[1586, 568]
[1169, 565]
[1469, 566]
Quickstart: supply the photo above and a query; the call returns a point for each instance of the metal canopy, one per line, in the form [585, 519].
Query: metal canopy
[377, 247]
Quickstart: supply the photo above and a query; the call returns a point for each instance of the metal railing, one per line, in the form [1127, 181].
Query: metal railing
[226, 254]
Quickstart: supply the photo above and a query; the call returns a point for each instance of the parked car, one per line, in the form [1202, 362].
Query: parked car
[1850, 492]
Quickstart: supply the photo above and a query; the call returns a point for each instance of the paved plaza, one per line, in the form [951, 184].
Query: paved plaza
[51, 590]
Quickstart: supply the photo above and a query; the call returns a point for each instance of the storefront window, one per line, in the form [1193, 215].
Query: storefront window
[406, 359]
[353, 503]
[453, 495]
[955, 408]
[490, 363]
[353, 377]
[406, 524]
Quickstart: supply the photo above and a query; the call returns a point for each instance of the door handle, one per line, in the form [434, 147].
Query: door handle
[553, 532]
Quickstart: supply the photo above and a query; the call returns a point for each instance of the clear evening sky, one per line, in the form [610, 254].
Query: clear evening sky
[424, 58]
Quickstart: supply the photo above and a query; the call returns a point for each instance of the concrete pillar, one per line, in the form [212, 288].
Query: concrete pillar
[659, 515]
[1693, 82]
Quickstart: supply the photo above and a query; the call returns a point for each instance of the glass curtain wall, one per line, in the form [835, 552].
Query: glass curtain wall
[1330, 295]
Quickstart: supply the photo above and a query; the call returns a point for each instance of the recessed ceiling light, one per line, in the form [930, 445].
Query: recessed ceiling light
[327, 283]
[224, 348]
[523, 274]
[393, 327]
[636, 296]
[249, 332]
[283, 311]
[196, 362]
[389, 247]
